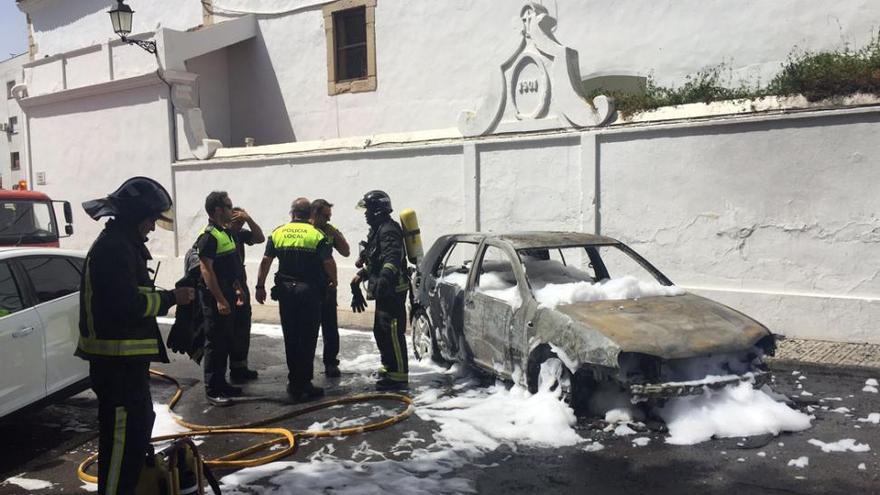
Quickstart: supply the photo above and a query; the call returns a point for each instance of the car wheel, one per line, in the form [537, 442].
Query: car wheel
[547, 372]
[424, 341]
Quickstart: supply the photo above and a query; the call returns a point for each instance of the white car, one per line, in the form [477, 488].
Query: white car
[39, 326]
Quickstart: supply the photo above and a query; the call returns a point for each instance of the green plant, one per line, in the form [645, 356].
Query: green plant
[817, 76]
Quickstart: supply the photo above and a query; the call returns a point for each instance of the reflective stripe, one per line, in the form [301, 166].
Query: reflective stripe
[391, 267]
[112, 347]
[90, 320]
[398, 357]
[225, 242]
[298, 236]
[115, 470]
[154, 301]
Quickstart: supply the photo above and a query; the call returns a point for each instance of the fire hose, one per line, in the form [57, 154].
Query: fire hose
[278, 436]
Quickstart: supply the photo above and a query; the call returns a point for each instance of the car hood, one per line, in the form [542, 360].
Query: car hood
[669, 327]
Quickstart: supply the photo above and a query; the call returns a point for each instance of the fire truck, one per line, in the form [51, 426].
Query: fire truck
[27, 218]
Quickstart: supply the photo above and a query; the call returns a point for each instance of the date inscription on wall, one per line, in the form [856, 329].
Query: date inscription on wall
[529, 88]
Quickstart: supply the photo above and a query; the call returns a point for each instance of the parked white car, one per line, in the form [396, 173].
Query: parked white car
[39, 326]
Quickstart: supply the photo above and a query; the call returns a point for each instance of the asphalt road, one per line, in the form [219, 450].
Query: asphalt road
[48, 444]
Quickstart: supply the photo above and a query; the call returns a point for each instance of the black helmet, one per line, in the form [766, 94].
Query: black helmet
[136, 199]
[376, 203]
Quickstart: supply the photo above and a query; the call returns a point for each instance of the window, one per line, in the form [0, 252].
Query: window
[349, 26]
[13, 123]
[9, 86]
[497, 278]
[15, 161]
[457, 264]
[10, 296]
[53, 277]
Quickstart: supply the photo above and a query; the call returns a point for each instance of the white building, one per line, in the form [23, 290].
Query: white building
[12, 149]
[472, 112]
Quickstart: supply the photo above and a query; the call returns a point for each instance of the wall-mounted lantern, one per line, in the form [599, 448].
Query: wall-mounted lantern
[121, 17]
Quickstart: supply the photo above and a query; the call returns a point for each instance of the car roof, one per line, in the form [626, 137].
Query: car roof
[538, 239]
[14, 252]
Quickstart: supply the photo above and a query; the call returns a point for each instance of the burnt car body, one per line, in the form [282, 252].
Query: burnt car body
[661, 343]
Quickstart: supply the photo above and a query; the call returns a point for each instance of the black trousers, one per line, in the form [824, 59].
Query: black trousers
[241, 334]
[218, 340]
[330, 329]
[125, 419]
[389, 328]
[300, 311]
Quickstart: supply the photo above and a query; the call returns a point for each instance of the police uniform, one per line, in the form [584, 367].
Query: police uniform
[119, 337]
[300, 288]
[217, 244]
[241, 335]
[385, 253]
[329, 323]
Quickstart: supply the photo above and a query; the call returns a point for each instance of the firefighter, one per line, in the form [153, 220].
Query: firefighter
[118, 331]
[306, 271]
[387, 282]
[241, 335]
[321, 212]
[221, 273]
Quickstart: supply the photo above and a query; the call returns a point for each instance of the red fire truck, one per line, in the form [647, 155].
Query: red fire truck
[27, 218]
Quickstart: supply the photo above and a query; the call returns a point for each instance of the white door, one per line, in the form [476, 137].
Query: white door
[56, 283]
[22, 358]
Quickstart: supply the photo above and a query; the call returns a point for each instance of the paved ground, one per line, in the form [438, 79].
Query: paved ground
[48, 444]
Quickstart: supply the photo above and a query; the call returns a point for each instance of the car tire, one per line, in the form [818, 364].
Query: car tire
[424, 338]
[575, 387]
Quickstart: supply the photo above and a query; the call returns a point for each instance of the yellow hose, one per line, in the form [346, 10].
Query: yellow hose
[280, 435]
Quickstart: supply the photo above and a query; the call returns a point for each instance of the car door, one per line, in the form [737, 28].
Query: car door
[491, 304]
[447, 297]
[22, 358]
[55, 281]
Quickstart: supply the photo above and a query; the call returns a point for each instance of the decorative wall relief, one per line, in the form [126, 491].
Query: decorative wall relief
[538, 87]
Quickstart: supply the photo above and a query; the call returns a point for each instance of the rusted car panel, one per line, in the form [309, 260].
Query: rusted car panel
[670, 328]
[642, 344]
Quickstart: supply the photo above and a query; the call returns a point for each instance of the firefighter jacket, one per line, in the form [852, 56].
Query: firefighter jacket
[118, 302]
[386, 256]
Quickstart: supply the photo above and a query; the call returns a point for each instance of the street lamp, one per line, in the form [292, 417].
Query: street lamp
[121, 19]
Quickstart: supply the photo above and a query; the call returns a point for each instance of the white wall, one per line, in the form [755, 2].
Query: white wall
[84, 158]
[11, 70]
[774, 215]
[62, 25]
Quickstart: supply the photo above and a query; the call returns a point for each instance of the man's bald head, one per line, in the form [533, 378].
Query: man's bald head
[301, 209]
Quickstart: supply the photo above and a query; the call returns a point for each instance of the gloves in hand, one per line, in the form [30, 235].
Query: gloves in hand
[358, 303]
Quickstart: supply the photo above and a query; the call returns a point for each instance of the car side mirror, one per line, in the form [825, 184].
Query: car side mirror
[68, 229]
[68, 214]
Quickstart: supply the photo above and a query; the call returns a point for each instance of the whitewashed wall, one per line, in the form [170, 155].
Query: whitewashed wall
[11, 70]
[774, 215]
[84, 158]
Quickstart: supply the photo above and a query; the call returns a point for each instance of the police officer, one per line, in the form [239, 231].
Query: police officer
[221, 273]
[387, 282]
[306, 271]
[241, 334]
[321, 213]
[118, 331]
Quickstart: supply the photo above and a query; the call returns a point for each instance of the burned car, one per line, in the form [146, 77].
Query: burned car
[509, 303]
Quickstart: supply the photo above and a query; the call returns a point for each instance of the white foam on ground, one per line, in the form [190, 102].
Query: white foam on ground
[472, 421]
[845, 445]
[641, 441]
[872, 382]
[862, 467]
[800, 462]
[872, 418]
[734, 411]
[870, 389]
[27, 483]
[165, 424]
